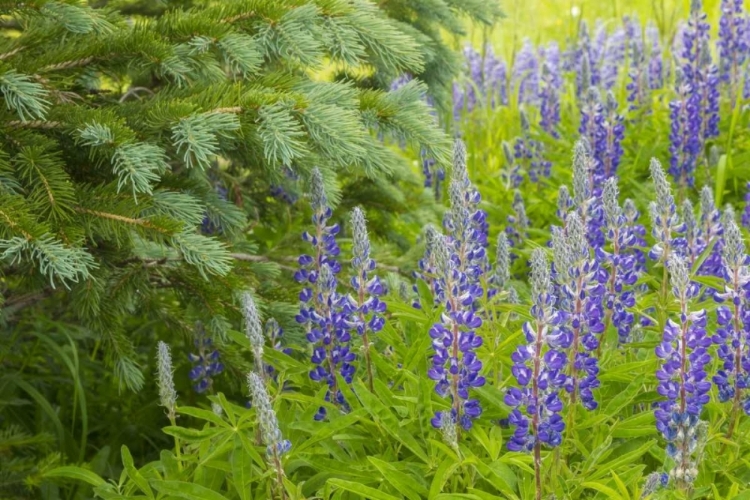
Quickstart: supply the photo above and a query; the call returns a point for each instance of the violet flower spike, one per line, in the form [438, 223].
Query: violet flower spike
[525, 78]
[206, 361]
[581, 285]
[369, 309]
[733, 378]
[682, 377]
[539, 369]
[324, 313]
[732, 43]
[663, 212]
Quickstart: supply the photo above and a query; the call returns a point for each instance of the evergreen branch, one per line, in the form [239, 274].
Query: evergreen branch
[139, 165]
[241, 53]
[121, 218]
[197, 136]
[208, 255]
[281, 134]
[48, 184]
[38, 124]
[24, 96]
[10, 53]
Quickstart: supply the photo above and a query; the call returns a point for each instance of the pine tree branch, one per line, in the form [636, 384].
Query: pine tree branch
[38, 124]
[10, 53]
[121, 218]
[69, 64]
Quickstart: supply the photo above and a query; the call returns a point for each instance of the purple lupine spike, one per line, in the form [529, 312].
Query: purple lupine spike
[633, 35]
[512, 171]
[682, 377]
[709, 80]
[623, 272]
[712, 231]
[586, 191]
[746, 208]
[539, 369]
[465, 223]
[549, 98]
[655, 62]
[585, 63]
[518, 224]
[637, 232]
[613, 58]
[663, 211]
[206, 361]
[733, 379]
[455, 367]
[529, 152]
[525, 78]
[495, 76]
[580, 281]
[592, 129]
[427, 268]
[367, 318]
[732, 44]
[324, 313]
[614, 130]
[685, 132]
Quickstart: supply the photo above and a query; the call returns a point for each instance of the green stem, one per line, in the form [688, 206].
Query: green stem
[178, 455]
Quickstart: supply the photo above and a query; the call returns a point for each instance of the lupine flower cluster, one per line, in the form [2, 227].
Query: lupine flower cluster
[621, 260]
[746, 209]
[526, 74]
[323, 312]
[664, 220]
[427, 266]
[733, 379]
[276, 445]
[586, 196]
[655, 60]
[206, 361]
[485, 82]
[274, 333]
[366, 306]
[501, 277]
[460, 260]
[512, 173]
[712, 231]
[682, 377]
[529, 153]
[253, 330]
[732, 43]
[165, 380]
[580, 283]
[518, 224]
[539, 369]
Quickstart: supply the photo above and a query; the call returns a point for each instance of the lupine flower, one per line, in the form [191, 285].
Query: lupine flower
[283, 191]
[366, 305]
[206, 362]
[733, 379]
[518, 224]
[455, 367]
[465, 223]
[613, 58]
[682, 377]
[592, 129]
[495, 79]
[655, 62]
[654, 481]
[274, 333]
[564, 203]
[685, 132]
[638, 85]
[525, 78]
[663, 212]
[501, 277]
[623, 272]
[512, 173]
[538, 367]
[711, 232]
[614, 133]
[580, 280]
[709, 95]
[637, 232]
[165, 381]
[549, 90]
[427, 270]
[253, 329]
[276, 445]
[732, 43]
[586, 62]
[530, 152]
[586, 194]
[323, 312]
[746, 209]
[691, 244]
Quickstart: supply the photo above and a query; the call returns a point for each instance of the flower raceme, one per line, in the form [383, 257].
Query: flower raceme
[539, 368]
[682, 376]
[324, 313]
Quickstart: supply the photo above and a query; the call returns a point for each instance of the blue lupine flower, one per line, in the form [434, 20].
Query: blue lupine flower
[539, 368]
[623, 272]
[206, 361]
[586, 193]
[367, 308]
[581, 286]
[518, 224]
[274, 333]
[682, 376]
[746, 209]
[732, 43]
[549, 90]
[455, 367]
[276, 445]
[733, 379]
[501, 277]
[638, 85]
[663, 212]
[564, 203]
[525, 77]
[165, 380]
[655, 61]
[465, 223]
[685, 132]
[512, 171]
[614, 134]
[613, 58]
[495, 79]
[712, 230]
[283, 191]
[324, 313]
[529, 152]
[636, 233]
[427, 268]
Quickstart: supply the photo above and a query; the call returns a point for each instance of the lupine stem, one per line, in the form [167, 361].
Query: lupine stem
[365, 339]
[535, 418]
[177, 453]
